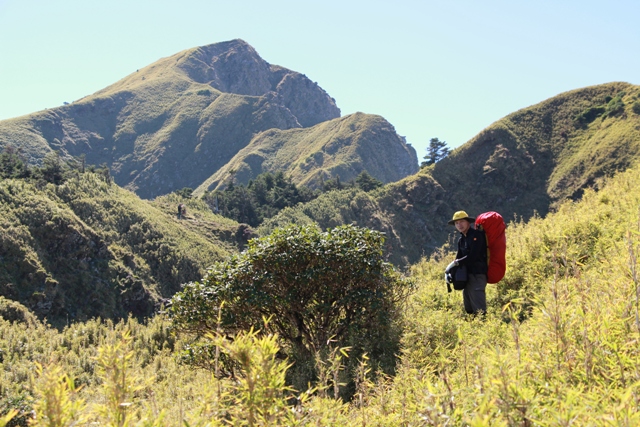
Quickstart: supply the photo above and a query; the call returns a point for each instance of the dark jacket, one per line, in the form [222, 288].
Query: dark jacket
[472, 251]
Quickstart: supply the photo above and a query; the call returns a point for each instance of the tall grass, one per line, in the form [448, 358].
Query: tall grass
[558, 347]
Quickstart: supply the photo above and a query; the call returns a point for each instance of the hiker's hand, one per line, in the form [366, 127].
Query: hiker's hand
[450, 266]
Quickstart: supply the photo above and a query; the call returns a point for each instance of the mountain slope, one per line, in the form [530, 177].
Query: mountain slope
[523, 164]
[87, 248]
[340, 147]
[559, 341]
[174, 123]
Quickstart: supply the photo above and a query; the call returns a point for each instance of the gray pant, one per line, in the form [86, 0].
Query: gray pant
[473, 294]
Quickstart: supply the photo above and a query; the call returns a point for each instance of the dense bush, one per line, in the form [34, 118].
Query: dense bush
[261, 198]
[366, 182]
[13, 164]
[315, 287]
[268, 194]
[590, 114]
[615, 106]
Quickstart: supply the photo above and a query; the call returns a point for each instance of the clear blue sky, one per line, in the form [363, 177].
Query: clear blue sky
[443, 69]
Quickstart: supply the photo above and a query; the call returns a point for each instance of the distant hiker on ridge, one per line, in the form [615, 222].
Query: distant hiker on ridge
[472, 255]
[181, 211]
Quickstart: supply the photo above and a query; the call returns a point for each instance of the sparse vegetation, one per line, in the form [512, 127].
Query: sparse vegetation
[168, 119]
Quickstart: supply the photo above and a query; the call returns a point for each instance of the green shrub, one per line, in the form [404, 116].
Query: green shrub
[615, 106]
[590, 114]
[636, 107]
[13, 311]
[316, 287]
[367, 183]
[185, 192]
[262, 198]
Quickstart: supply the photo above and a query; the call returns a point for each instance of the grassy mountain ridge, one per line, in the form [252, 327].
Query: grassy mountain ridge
[87, 248]
[523, 164]
[340, 147]
[173, 123]
[557, 347]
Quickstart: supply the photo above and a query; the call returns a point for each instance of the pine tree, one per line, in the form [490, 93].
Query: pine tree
[436, 151]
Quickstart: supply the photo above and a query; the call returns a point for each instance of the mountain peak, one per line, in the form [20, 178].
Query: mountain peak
[233, 67]
[176, 121]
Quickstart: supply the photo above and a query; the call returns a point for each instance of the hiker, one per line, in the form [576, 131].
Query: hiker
[472, 253]
[181, 210]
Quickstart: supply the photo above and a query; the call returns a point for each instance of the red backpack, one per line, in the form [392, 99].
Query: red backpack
[493, 226]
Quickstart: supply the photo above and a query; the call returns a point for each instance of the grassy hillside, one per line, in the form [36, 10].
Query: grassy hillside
[88, 248]
[557, 347]
[341, 147]
[523, 164]
[174, 123]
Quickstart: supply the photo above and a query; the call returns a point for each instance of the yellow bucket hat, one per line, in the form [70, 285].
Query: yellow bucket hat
[461, 215]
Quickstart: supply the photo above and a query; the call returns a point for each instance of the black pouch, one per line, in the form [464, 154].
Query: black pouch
[459, 276]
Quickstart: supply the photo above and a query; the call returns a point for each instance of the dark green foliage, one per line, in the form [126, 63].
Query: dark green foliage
[13, 311]
[235, 202]
[615, 106]
[262, 198]
[54, 169]
[13, 164]
[314, 287]
[436, 151]
[590, 114]
[366, 182]
[332, 184]
[186, 192]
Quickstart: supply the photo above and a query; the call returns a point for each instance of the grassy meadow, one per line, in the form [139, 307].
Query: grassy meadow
[558, 347]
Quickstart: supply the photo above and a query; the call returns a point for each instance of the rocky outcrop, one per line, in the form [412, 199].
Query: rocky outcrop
[306, 100]
[235, 67]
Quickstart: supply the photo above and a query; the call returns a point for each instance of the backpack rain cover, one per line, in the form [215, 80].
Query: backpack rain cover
[493, 226]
